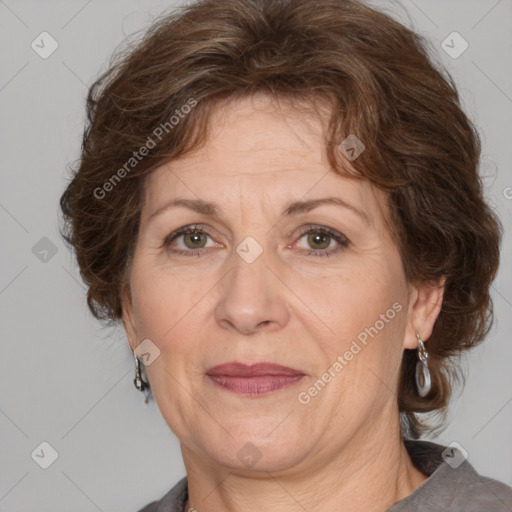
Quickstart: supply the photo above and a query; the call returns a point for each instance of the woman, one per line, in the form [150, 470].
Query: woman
[279, 199]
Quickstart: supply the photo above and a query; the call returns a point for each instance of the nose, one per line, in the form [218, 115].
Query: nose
[252, 298]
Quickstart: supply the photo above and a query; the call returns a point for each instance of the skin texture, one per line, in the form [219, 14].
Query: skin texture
[343, 448]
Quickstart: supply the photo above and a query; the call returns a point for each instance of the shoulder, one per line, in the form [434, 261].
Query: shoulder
[493, 491]
[150, 507]
[173, 501]
[474, 493]
[453, 484]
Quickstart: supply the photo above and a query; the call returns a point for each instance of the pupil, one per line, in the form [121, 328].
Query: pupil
[317, 239]
[195, 237]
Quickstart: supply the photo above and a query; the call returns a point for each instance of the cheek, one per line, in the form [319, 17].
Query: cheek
[171, 311]
[355, 299]
[365, 311]
[163, 301]
[364, 353]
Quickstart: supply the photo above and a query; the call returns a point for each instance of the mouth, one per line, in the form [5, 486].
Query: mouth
[255, 379]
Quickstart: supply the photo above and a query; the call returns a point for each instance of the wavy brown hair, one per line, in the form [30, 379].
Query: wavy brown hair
[381, 83]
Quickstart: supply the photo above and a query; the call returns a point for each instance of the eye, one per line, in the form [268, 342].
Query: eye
[193, 239]
[324, 241]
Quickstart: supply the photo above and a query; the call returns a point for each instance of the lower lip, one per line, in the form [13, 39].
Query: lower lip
[256, 385]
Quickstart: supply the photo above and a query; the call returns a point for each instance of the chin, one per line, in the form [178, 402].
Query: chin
[253, 452]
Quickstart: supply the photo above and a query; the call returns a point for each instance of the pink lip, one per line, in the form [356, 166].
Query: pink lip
[257, 379]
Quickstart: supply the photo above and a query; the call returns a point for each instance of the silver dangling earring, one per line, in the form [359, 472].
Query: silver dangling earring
[139, 382]
[423, 381]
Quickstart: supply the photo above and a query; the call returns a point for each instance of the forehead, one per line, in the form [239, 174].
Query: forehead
[266, 133]
[259, 147]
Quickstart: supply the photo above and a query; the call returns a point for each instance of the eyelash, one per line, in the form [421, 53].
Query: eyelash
[338, 237]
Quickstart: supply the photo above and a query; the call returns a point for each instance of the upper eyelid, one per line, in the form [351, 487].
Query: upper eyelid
[207, 230]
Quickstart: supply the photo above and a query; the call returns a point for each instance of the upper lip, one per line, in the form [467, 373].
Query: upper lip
[236, 369]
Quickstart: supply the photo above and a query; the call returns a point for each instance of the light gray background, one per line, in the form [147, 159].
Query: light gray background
[66, 380]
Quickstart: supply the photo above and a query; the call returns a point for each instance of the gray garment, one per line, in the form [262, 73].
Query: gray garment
[447, 489]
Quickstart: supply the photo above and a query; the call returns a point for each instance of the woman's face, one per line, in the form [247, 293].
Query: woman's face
[253, 286]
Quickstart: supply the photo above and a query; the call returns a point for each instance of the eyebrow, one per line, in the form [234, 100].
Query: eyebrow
[293, 208]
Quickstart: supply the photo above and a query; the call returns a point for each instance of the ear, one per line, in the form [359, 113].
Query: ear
[424, 307]
[128, 320]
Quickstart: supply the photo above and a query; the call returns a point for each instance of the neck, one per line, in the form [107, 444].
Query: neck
[372, 472]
